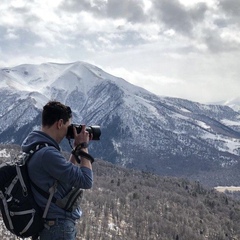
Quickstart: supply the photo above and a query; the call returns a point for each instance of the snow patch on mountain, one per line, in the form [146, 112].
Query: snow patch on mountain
[225, 144]
[203, 125]
[230, 122]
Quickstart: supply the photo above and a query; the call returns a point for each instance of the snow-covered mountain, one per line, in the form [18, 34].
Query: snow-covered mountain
[168, 136]
[233, 103]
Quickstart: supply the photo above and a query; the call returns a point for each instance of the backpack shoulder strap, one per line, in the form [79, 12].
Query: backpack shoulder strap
[43, 193]
[37, 146]
[52, 190]
[46, 195]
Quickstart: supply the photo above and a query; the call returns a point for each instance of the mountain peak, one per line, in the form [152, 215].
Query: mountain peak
[49, 78]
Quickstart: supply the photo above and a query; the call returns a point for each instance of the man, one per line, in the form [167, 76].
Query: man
[48, 165]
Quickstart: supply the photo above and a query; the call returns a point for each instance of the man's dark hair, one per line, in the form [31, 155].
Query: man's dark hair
[54, 111]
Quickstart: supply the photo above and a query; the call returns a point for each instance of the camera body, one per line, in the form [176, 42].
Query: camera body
[94, 131]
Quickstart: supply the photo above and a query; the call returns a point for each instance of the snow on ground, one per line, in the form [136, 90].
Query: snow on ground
[228, 188]
[4, 154]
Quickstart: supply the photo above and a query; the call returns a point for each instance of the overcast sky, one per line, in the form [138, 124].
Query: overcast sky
[178, 48]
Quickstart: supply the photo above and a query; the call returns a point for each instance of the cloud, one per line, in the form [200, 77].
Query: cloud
[116, 25]
[170, 46]
[230, 7]
[75, 6]
[130, 10]
[178, 17]
[224, 41]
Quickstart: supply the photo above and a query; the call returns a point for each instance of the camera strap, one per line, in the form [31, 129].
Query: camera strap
[80, 153]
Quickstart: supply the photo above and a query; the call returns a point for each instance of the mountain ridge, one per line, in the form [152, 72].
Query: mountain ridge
[168, 136]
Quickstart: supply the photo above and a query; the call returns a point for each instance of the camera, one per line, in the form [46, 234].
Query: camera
[94, 131]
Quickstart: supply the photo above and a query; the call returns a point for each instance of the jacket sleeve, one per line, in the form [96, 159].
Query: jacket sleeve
[63, 170]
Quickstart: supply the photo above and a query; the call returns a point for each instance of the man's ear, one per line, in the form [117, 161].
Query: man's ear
[59, 123]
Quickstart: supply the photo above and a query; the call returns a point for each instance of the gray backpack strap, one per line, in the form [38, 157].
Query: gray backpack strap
[52, 190]
[11, 186]
[6, 209]
[30, 211]
[19, 174]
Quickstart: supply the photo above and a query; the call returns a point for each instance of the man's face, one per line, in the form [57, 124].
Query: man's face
[66, 125]
[63, 128]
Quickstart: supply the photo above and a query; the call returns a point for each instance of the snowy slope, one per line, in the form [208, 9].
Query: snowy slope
[139, 129]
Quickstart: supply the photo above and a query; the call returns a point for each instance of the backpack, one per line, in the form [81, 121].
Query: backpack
[21, 214]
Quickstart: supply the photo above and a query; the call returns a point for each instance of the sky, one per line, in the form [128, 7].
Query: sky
[178, 48]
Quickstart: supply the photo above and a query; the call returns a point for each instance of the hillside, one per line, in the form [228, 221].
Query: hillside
[135, 205]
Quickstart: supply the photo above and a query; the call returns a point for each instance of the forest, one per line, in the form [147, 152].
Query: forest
[126, 204]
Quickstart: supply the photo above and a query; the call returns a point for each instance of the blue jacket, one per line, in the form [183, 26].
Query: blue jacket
[47, 165]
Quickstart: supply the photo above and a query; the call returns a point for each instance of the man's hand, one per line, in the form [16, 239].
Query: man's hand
[82, 137]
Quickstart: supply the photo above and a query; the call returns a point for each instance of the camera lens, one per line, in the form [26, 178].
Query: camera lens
[95, 131]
